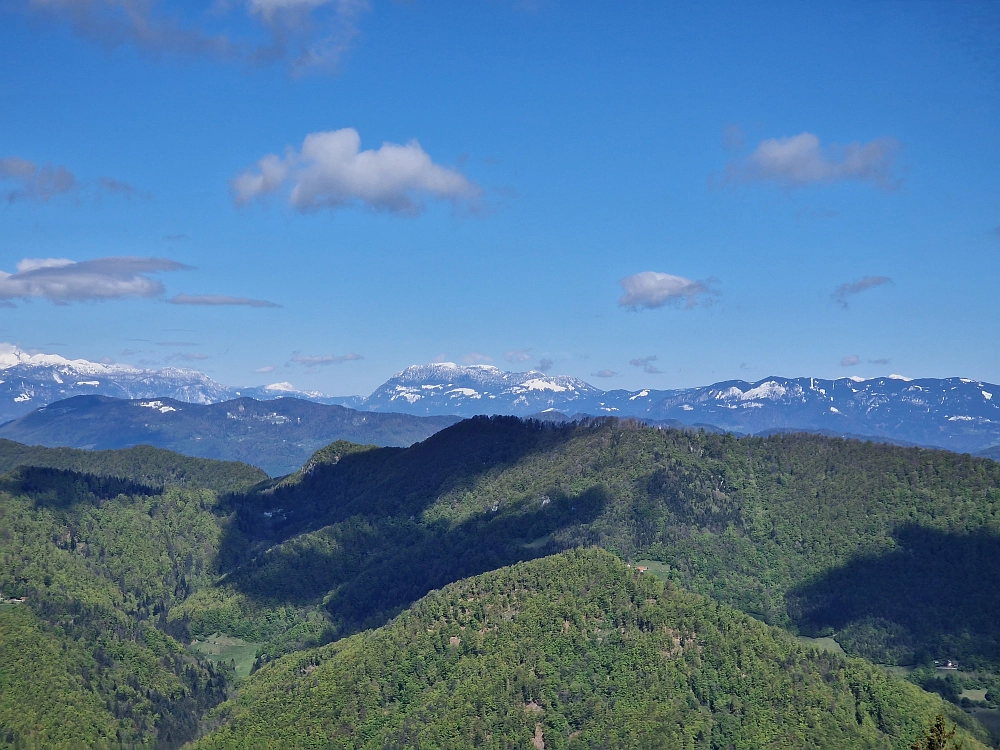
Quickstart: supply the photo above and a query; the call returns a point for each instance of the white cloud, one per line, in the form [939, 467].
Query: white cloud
[331, 172]
[266, 368]
[800, 160]
[646, 363]
[650, 289]
[325, 359]
[851, 360]
[63, 281]
[218, 299]
[32, 182]
[842, 292]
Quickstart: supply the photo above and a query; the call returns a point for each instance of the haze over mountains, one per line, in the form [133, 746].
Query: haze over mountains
[954, 413]
[277, 435]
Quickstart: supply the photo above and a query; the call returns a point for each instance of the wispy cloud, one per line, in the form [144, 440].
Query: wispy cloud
[851, 360]
[331, 172]
[312, 35]
[265, 369]
[324, 359]
[32, 182]
[176, 343]
[185, 357]
[842, 292]
[605, 374]
[218, 300]
[63, 281]
[650, 290]
[122, 188]
[518, 355]
[306, 35]
[800, 160]
[646, 363]
[23, 179]
[476, 358]
[882, 361]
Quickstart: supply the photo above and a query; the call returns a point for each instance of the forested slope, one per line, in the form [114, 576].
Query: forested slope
[84, 661]
[882, 544]
[885, 547]
[145, 464]
[572, 651]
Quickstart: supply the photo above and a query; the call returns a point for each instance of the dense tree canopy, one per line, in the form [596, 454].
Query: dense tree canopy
[571, 651]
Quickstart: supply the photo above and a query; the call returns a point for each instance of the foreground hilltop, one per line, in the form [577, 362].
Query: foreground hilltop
[572, 651]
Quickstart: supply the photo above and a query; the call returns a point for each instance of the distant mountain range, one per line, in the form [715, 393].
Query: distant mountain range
[28, 381]
[954, 413]
[278, 436]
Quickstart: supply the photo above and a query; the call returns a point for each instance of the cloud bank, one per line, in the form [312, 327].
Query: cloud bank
[842, 292]
[800, 160]
[218, 299]
[63, 281]
[332, 172]
[651, 290]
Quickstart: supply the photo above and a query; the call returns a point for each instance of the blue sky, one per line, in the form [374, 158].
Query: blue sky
[788, 188]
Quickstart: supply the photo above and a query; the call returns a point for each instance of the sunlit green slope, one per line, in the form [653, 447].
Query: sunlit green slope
[575, 650]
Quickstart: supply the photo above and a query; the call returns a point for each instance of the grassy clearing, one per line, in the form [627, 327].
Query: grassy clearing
[974, 695]
[820, 644]
[218, 649]
[658, 569]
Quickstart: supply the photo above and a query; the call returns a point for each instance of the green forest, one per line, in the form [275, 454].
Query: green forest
[128, 560]
[575, 650]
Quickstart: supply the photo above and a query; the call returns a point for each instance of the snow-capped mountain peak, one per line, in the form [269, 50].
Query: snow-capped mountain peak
[448, 388]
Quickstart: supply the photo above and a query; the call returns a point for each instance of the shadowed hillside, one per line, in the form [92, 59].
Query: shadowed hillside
[749, 521]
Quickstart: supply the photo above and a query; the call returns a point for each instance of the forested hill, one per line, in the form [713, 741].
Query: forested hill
[883, 546]
[144, 464]
[572, 651]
